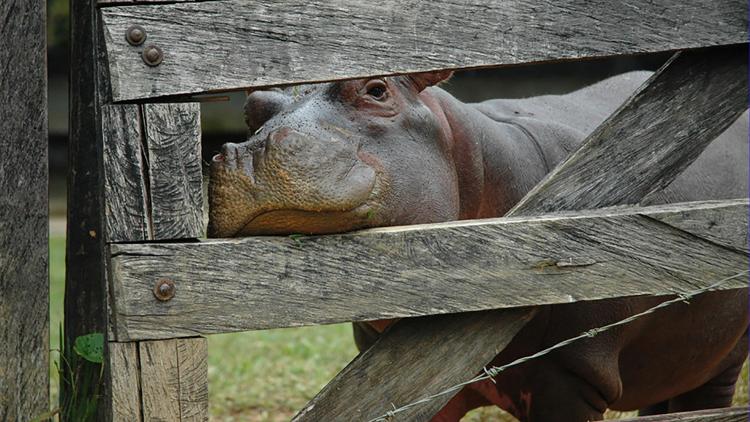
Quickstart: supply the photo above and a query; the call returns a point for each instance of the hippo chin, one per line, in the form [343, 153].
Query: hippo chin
[398, 150]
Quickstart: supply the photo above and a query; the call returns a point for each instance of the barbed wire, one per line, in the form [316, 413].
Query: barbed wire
[490, 373]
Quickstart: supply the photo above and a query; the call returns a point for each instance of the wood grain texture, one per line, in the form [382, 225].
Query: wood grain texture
[86, 309]
[126, 197]
[193, 360]
[733, 414]
[233, 44]
[174, 380]
[174, 166]
[670, 120]
[257, 283]
[152, 167]
[728, 228]
[125, 378]
[24, 282]
[370, 372]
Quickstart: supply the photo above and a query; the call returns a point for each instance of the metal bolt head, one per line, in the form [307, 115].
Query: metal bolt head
[152, 55]
[135, 35]
[164, 289]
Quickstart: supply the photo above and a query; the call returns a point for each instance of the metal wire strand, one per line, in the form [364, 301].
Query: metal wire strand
[490, 373]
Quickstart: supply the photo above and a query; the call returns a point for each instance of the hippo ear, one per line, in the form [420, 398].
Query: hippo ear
[260, 106]
[425, 79]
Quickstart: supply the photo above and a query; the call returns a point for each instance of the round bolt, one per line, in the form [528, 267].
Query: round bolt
[152, 55]
[135, 35]
[164, 289]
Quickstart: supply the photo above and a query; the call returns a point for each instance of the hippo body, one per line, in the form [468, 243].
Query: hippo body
[400, 150]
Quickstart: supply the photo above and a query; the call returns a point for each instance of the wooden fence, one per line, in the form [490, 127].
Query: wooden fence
[135, 201]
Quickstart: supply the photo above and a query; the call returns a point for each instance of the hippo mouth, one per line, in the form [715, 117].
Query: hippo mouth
[296, 221]
[292, 183]
[254, 208]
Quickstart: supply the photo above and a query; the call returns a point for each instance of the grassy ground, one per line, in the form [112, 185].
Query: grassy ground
[266, 375]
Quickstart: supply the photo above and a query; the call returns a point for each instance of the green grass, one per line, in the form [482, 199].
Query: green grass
[56, 295]
[266, 375]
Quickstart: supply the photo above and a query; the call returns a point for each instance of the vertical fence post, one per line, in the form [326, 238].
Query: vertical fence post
[135, 175]
[24, 281]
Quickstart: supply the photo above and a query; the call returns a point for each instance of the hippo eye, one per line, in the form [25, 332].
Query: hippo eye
[377, 89]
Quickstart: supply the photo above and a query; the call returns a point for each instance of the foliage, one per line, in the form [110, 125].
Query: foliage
[76, 370]
[90, 347]
[58, 24]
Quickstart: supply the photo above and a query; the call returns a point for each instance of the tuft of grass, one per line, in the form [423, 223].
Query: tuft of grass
[56, 296]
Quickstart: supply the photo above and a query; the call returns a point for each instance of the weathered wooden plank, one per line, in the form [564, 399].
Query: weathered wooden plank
[734, 414]
[160, 387]
[85, 288]
[193, 361]
[126, 197]
[176, 178]
[24, 283]
[534, 201]
[125, 378]
[669, 121]
[728, 227]
[256, 283]
[256, 43]
[152, 167]
[371, 372]
[174, 379]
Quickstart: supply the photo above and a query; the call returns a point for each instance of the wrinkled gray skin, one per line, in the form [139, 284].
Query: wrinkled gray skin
[423, 156]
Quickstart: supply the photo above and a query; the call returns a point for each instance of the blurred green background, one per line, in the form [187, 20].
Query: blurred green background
[268, 375]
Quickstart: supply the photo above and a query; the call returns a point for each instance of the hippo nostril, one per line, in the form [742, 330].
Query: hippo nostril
[229, 151]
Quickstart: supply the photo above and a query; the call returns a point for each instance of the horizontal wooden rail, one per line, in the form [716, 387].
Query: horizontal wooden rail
[232, 44]
[268, 282]
[733, 414]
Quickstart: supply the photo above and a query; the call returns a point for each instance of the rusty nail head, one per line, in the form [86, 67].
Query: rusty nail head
[164, 289]
[135, 35]
[152, 55]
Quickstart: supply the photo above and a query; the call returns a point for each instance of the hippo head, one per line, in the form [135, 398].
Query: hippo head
[336, 157]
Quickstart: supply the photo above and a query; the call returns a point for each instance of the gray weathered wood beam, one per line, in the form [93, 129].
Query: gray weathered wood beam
[175, 176]
[24, 282]
[152, 172]
[174, 379]
[703, 64]
[257, 283]
[257, 43]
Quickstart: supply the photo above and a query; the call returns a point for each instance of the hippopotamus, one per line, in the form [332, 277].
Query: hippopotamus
[399, 150]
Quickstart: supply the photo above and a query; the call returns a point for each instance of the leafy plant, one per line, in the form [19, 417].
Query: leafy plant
[81, 369]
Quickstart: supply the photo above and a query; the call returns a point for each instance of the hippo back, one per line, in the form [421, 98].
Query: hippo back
[558, 123]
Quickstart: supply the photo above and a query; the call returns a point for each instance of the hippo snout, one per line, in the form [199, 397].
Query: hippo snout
[284, 176]
[233, 157]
